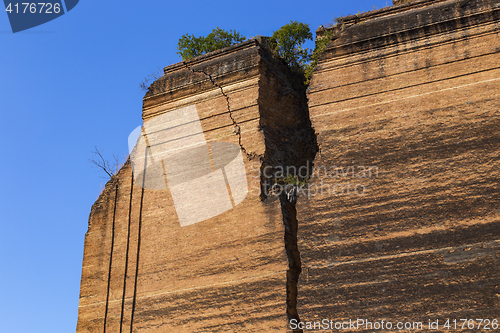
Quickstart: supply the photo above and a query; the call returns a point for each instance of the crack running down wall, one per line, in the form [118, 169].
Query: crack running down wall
[410, 93]
[236, 270]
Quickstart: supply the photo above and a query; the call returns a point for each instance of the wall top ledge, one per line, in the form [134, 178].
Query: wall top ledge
[249, 44]
[392, 10]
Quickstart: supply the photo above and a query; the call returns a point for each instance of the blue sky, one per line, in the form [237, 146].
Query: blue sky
[72, 84]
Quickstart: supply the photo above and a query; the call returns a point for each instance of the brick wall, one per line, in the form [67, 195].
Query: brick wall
[415, 93]
[408, 98]
[228, 272]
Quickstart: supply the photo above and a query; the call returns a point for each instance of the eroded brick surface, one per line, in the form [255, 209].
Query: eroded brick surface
[411, 93]
[416, 95]
[224, 274]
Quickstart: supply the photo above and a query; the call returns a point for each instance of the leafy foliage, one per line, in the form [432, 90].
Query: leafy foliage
[292, 180]
[190, 46]
[287, 42]
[321, 44]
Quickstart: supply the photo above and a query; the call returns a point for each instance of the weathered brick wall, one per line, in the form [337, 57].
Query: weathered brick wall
[227, 273]
[414, 92]
[409, 92]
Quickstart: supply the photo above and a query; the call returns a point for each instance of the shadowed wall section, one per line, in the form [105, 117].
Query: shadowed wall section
[402, 217]
[413, 92]
[227, 273]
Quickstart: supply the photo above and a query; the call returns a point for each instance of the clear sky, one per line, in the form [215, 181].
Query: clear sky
[72, 84]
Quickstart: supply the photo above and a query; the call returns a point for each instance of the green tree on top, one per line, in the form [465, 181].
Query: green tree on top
[287, 43]
[190, 46]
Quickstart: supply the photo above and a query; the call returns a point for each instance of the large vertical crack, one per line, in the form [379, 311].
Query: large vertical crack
[139, 231]
[291, 147]
[111, 257]
[127, 251]
[290, 143]
[291, 226]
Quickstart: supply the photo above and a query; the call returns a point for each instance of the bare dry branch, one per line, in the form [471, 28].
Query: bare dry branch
[100, 162]
[153, 76]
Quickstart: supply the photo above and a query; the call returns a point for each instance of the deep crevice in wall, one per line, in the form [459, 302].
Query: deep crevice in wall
[111, 257]
[127, 252]
[291, 226]
[290, 142]
[139, 231]
[290, 149]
